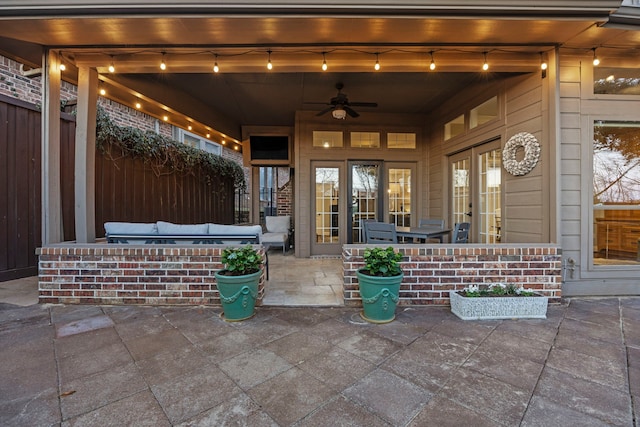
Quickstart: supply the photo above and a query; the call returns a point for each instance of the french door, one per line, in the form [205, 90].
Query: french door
[475, 181]
[374, 190]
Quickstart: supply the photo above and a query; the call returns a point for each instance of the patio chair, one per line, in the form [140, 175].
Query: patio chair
[461, 232]
[277, 231]
[431, 222]
[380, 232]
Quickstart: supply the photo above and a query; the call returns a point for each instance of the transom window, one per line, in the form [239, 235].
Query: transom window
[365, 139]
[401, 140]
[327, 139]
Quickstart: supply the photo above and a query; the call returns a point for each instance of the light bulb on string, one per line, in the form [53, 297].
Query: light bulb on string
[269, 64]
[62, 66]
[216, 69]
[432, 65]
[163, 65]
[485, 65]
[377, 64]
[596, 61]
[324, 62]
[112, 67]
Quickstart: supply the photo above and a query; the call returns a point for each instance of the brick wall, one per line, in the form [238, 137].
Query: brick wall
[130, 274]
[431, 271]
[285, 199]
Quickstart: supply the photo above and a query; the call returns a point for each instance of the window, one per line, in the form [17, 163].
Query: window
[399, 193]
[401, 140]
[454, 127]
[365, 139]
[327, 139]
[483, 113]
[616, 81]
[616, 192]
[196, 141]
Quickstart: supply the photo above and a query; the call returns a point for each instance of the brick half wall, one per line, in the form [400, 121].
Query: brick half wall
[431, 271]
[131, 274]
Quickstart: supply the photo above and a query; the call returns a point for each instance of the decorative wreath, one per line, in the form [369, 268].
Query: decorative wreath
[531, 154]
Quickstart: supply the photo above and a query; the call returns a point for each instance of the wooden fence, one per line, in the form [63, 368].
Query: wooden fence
[126, 189]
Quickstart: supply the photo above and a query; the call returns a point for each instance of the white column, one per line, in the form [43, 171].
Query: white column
[51, 194]
[85, 157]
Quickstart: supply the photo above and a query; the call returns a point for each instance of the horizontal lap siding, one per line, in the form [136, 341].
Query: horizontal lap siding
[526, 207]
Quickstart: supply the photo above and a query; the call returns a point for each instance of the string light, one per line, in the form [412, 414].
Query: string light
[324, 62]
[269, 64]
[485, 65]
[163, 65]
[62, 66]
[190, 127]
[165, 118]
[377, 65]
[596, 61]
[215, 65]
[432, 66]
[103, 91]
[543, 63]
[138, 105]
[112, 67]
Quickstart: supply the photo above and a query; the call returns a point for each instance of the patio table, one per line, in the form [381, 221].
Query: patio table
[422, 233]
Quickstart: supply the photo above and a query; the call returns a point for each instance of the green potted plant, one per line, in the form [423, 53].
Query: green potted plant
[380, 280]
[238, 282]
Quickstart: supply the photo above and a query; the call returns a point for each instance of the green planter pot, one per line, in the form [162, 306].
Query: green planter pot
[379, 297]
[238, 295]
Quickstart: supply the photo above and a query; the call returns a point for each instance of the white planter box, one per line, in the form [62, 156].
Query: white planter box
[479, 308]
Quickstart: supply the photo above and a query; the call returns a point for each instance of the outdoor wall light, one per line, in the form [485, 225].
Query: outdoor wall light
[543, 63]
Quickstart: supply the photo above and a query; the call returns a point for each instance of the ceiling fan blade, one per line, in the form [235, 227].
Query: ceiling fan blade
[350, 111]
[326, 110]
[363, 104]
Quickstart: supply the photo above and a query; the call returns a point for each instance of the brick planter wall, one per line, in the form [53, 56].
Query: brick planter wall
[431, 271]
[131, 274]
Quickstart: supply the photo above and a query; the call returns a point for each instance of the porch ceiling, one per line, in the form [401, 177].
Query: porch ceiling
[244, 93]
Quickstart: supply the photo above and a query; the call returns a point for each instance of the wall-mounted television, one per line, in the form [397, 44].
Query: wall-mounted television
[268, 150]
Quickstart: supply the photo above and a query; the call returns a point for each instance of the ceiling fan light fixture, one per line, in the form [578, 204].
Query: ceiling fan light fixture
[339, 113]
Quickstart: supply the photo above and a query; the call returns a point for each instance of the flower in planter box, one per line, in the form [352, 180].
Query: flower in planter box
[497, 290]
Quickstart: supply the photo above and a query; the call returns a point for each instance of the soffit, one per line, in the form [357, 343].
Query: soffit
[245, 94]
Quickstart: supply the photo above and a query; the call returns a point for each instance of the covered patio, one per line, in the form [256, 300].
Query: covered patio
[242, 98]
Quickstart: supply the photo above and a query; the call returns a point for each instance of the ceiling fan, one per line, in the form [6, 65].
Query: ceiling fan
[340, 105]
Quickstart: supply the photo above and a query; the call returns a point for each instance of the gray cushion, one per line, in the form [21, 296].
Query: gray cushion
[235, 229]
[130, 228]
[275, 237]
[170, 228]
[278, 224]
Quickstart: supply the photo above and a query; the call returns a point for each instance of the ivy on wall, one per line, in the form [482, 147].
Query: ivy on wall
[163, 153]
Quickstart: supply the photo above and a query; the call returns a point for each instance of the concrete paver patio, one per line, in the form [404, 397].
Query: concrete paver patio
[310, 366]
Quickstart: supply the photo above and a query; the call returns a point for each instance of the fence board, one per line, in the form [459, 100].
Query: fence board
[126, 189]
